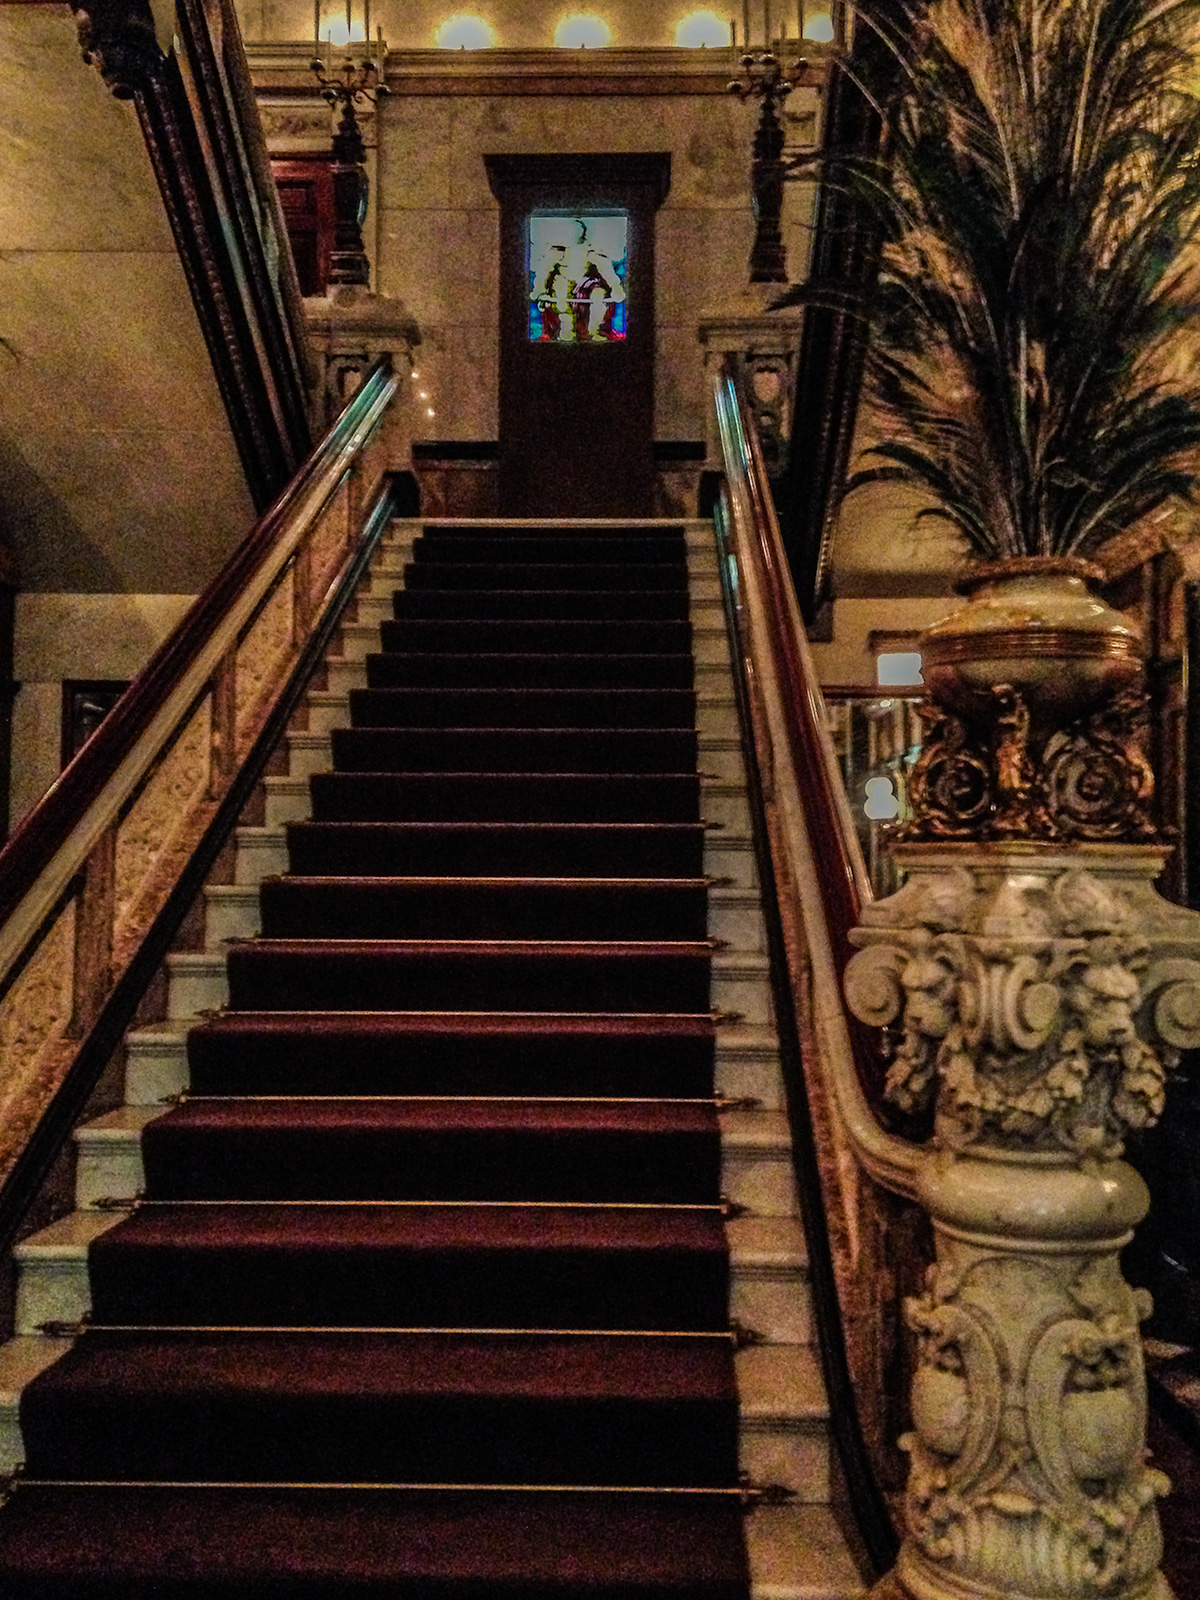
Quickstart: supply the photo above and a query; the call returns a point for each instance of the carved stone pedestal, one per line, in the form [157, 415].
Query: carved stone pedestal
[1039, 995]
[349, 328]
[763, 346]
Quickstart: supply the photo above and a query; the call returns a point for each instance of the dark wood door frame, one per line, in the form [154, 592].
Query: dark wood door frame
[577, 420]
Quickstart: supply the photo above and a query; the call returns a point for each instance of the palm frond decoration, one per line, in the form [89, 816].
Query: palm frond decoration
[1040, 197]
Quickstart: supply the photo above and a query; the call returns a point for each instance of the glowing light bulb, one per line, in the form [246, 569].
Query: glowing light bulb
[430, 412]
[701, 28]
[339, 34]
[583, 30]
[464, 31]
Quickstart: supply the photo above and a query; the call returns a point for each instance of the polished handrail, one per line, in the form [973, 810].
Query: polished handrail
[52, 841]
[845, 883]
[59, 1116]
[744, 517]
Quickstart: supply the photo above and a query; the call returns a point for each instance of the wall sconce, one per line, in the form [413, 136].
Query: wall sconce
[464, 31]
[703, 30]
[583, 30]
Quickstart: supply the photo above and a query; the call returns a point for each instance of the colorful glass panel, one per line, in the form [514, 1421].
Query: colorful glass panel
[577, 277]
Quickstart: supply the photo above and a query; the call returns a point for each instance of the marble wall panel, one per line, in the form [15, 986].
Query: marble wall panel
[439, 229]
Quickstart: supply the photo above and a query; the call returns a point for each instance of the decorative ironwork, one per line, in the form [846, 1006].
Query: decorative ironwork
[1089, 781]
[765, 78]
[355, 85]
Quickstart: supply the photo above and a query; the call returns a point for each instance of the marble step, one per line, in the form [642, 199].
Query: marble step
[156, 1063]
[768, 1275]
[311, 751]
[710, 645]
[783, 1435]
[798, 1552]
[198, 983]
[232, 912]
[722, 802]
[756, 1170]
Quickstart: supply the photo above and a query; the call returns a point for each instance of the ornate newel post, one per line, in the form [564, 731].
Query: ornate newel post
[1040, 989]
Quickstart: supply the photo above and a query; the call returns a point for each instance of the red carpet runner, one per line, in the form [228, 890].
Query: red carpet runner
[429, 1293]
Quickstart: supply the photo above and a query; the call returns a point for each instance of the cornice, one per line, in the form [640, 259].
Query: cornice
[283, 68]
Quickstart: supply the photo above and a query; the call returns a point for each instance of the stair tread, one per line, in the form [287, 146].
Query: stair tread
[383, 1363]
[119, 1544]
[324, 1227]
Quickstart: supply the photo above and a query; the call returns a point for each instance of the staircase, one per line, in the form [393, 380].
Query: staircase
[467, 1263]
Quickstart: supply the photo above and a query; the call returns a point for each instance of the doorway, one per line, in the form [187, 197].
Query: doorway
[577, 331]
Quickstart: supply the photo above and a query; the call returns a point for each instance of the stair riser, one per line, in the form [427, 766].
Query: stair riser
[388, 1288]
[774, 1304]
[435, 1440]
[362, 797]
[157, 1069]
[442, 577]
[197, 1164]
[522, 708]
[443, 910]
[431, 750]
[542, 852]
[521, 671]
[762, 1183]
[531, 635]
[535, 606]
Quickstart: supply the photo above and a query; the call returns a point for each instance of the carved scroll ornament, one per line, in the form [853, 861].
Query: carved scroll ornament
[1029, 1008]
[1091, 781]
[118, 38]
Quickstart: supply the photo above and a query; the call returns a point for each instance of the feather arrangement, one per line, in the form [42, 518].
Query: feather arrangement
[1040, 199]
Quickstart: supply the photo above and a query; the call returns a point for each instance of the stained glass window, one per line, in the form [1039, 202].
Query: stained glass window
[577, 277]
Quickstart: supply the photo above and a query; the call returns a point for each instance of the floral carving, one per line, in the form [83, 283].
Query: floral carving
[1029, 1009]
[1027, 1447]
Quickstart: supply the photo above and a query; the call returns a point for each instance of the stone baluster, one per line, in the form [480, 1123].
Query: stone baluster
[1040, 996]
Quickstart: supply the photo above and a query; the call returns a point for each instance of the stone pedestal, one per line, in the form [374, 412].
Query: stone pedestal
[349, 329]
[1039, 995]
[763, 346]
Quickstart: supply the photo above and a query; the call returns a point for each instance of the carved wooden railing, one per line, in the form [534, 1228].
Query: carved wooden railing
[96, 880]
[205, 141]
[814, 885]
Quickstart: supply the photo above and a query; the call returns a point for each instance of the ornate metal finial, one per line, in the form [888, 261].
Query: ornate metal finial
[764, 77]
[117, 37]
[355, 84]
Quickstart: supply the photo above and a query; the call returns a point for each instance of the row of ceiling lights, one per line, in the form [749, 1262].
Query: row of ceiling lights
[581, 30]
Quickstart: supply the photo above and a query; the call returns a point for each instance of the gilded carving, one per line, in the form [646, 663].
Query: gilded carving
[1090, 781]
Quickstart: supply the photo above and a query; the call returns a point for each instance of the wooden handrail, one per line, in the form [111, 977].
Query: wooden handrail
[754, 541]
[53, 840]
[845, 885]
